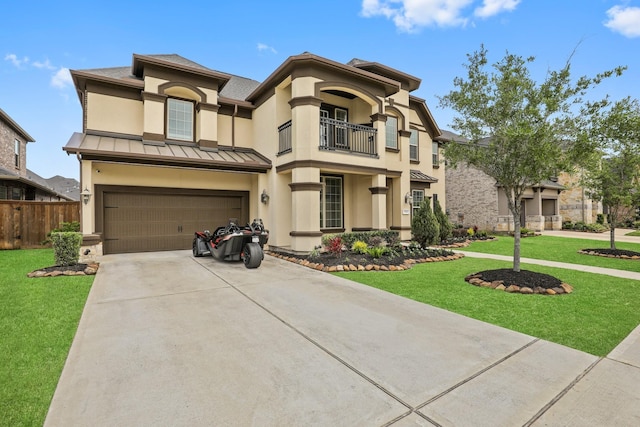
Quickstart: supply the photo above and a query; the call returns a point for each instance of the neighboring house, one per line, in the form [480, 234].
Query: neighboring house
[16, 181]
[474, 199]
[169, 147]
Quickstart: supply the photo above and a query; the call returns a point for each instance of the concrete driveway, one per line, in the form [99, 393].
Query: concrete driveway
[170, 340]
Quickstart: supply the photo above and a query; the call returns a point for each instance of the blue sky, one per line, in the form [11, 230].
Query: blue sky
[430, 39]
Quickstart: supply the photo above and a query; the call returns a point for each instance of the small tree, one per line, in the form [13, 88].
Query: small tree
[443, 221]
[614, 178]
[520, 133]
[424, 225]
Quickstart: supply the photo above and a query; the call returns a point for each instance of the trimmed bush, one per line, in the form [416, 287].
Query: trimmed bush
[66, 247]
[443, 222]
[424, 225]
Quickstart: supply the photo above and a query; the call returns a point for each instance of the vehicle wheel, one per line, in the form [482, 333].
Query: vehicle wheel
[252, 255]
[196, 251]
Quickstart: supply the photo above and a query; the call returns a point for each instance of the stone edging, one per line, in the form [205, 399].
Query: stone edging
[369, 267]
[475, 279]
[91, 269]
[608, 255]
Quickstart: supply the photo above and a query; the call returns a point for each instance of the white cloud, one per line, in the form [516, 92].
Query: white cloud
[263, 47]
[13, 58]
[494, 7]
[411, 15]
[624, 20]
[43, 65]
[61, 79]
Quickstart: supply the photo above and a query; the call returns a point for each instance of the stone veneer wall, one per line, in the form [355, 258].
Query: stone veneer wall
[574, 204]
[7, 138]
[473, 194]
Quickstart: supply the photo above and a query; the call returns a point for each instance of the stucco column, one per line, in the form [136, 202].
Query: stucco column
[379, 191]
[305, 209]
[207, 126]
[153, 126]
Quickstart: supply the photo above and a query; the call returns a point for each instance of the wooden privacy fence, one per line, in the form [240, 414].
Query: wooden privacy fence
[25, 224]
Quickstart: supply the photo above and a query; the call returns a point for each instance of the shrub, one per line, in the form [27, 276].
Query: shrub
[66, 247]
[470, 232]
[596, 228]
[63, 227]
[524, 231]
[580, 226]
[601, 219]
[443, 222]
[567, 225]
[359, 247]
[424, 225]
[377, 251]
[375, 241]
[335, 245]
[459, 233]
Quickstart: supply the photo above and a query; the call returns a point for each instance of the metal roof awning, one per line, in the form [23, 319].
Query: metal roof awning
[135, 151]
[417, 176]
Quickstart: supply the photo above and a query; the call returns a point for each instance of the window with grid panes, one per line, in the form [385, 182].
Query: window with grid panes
[413, 145]
[331, 202]
[391, 132]
[418, 198]
[179, 119]
[436, 157]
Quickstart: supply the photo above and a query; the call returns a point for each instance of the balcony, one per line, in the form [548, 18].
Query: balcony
[335, 135]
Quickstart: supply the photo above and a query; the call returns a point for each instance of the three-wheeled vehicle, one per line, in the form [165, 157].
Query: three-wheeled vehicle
[233, 243]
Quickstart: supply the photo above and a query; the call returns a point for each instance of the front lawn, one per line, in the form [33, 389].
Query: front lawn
[595, 318]
[38, 320]
[559, 249]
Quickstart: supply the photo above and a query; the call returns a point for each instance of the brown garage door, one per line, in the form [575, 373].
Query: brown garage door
[143, 222]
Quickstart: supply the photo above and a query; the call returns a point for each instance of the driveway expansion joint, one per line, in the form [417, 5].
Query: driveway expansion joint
[315, 343]
[562, 393]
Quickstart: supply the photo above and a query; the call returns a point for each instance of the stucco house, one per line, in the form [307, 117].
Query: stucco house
[474, 199]
[16, 181]
[169, 147]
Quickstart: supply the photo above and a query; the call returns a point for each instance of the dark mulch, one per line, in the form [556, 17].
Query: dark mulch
[396, 258]
[522, 278]
[614, 252]
[76, 267]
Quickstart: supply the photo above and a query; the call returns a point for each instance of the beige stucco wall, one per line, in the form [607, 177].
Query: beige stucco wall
[113, 114]
[575, 204]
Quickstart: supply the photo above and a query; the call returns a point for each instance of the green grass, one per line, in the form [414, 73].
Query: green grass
[595, 318]
[559, 249]
[38, 319]
[633, 233]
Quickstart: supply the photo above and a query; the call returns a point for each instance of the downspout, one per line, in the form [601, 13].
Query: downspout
[79, 157]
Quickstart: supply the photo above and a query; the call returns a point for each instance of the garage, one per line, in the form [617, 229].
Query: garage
[144, 220]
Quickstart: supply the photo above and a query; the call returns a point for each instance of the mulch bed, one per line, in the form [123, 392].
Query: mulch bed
[523, 282]
[67, 270]
[349, 261]
[611, 253]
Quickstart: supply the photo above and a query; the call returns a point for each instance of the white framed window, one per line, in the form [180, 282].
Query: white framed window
[391, 131]
[331, 202]
[434, 154]
[324, 128]
[418, 198]
[179, 119]
[17, 153]
[413, 145]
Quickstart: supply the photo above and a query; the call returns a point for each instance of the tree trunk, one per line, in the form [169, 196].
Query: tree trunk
[516, 240]
[612, 236]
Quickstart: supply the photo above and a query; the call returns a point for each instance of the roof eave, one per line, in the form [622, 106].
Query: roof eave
[286, 68]
[16, 127]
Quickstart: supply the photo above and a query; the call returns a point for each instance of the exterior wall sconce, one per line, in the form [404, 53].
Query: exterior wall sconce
[86, 195]
[408, 198]
[264, 197]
